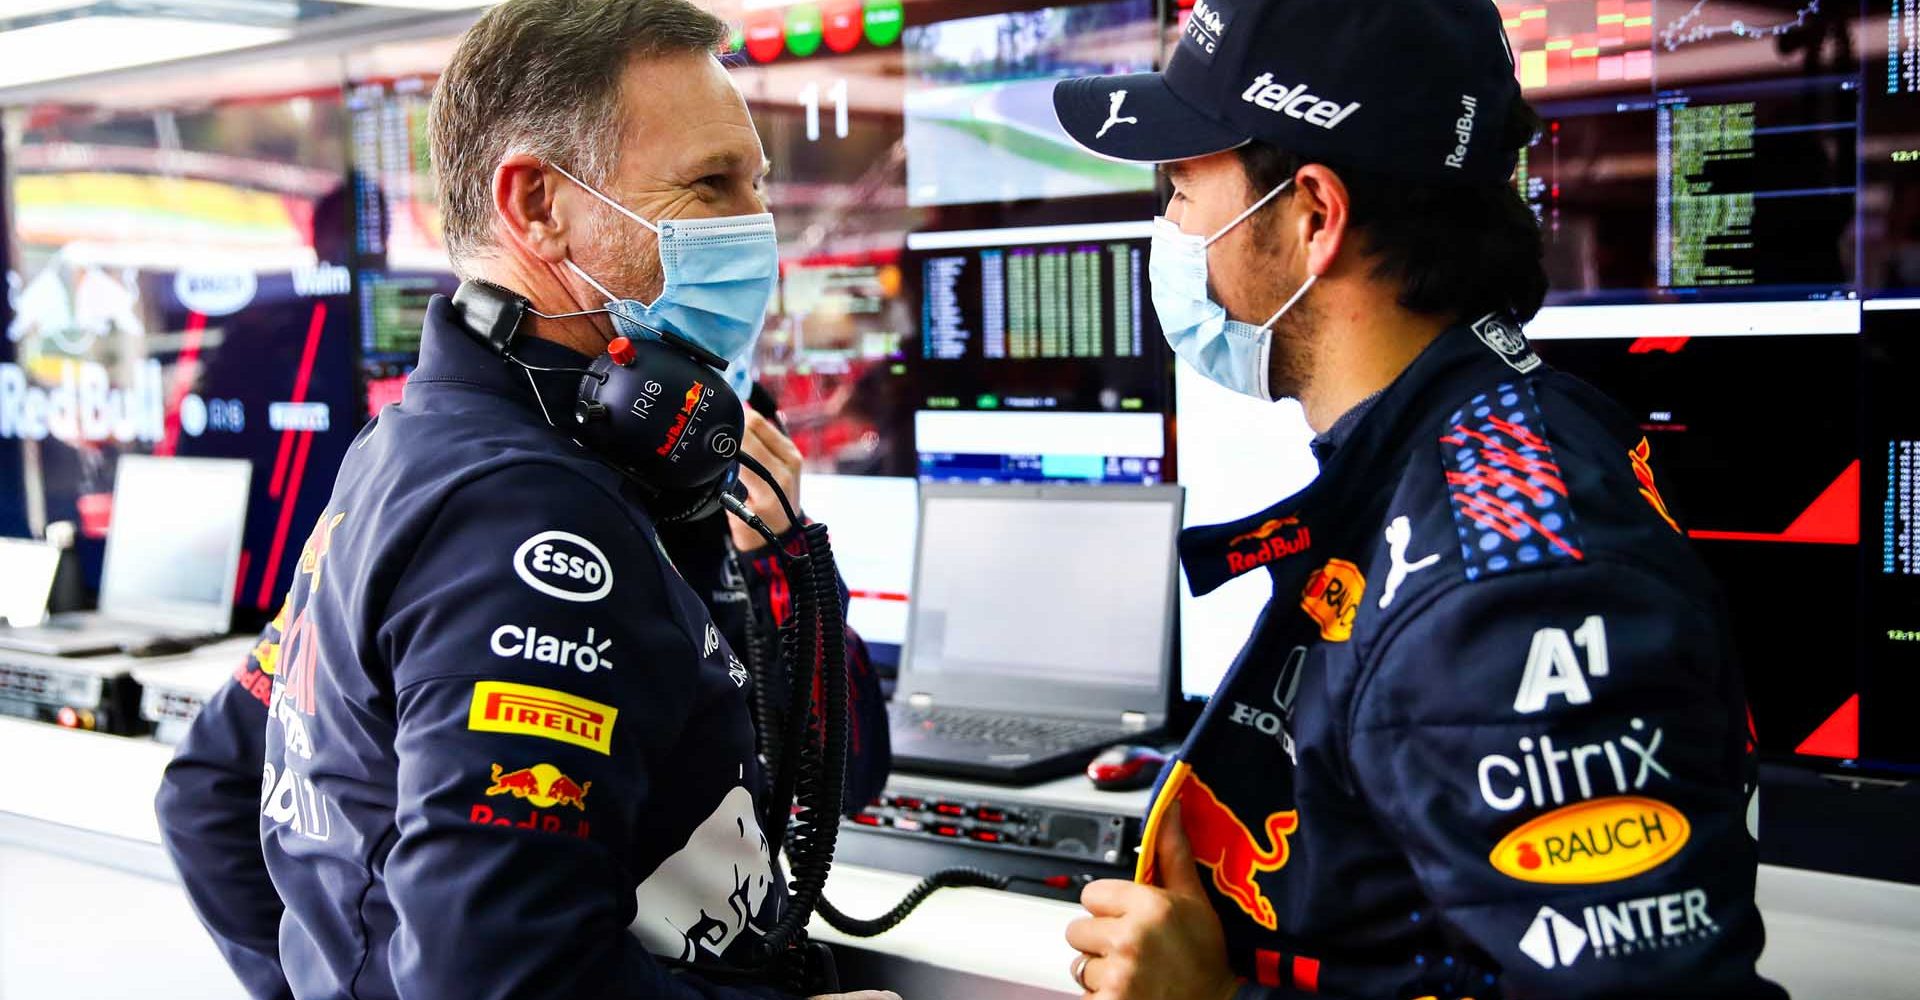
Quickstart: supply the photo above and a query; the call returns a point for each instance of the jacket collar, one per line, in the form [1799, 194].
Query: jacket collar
[1364, 468]
[450, 354]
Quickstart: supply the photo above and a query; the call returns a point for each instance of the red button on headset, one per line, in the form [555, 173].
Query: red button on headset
[621, 351]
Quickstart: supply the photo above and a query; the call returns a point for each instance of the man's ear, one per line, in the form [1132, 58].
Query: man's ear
[525, 196]
[1323, 216]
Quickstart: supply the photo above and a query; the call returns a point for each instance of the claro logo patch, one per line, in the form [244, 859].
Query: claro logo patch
[564, 565]
[1604, 840]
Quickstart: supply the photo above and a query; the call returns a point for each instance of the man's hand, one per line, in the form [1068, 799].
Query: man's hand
[1148, 943]
[777, 452]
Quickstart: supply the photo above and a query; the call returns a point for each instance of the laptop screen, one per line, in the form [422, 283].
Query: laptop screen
[174, 545]
[1025, 592]
[27, 569]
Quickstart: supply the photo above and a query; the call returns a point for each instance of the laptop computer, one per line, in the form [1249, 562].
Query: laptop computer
[27, 569]
[172, 552]
[1041, 627]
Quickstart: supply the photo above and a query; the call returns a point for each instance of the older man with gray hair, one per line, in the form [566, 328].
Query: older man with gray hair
[508, 753]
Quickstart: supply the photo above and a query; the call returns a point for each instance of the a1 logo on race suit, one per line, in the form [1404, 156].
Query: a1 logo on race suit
[564, 565]
[1542, 770]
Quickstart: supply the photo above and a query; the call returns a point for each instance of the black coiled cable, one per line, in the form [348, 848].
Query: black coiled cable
[805, 747]
[950, 878]
[819, 749]
[767, 717]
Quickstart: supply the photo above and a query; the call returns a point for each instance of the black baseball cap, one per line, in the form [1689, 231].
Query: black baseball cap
[1414, 88]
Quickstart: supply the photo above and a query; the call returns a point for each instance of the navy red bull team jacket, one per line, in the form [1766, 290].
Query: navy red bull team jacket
[1488, 738]
[494, 744]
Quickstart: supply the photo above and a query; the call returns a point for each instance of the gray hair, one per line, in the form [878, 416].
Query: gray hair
[543, 77]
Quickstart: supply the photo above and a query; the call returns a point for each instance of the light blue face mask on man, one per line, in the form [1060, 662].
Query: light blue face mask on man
[1226, 351]
[719, 276]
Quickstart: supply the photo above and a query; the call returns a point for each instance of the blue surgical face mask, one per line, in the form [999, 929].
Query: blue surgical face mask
[719, 275]
[1226, 351]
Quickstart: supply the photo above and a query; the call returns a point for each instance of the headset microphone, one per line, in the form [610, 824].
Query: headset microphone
[654, 409]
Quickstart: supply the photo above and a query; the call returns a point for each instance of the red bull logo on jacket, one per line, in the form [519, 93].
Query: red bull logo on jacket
[1223, 842]
[543, 785]
[1273, 541]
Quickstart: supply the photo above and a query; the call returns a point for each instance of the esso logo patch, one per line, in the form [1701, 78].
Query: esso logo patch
[564, 565]
[215, 293]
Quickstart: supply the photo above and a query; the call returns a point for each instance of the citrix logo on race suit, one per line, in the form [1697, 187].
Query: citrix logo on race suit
[564, 565]
[1548, 773]
[83, 405]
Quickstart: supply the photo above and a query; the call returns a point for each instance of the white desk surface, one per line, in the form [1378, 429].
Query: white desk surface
[1827, 935]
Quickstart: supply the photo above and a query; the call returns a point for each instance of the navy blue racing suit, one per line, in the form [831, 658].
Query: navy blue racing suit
[1488, 738]
[494, 744]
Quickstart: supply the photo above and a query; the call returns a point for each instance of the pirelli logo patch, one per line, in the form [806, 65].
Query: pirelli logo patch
[525, 710]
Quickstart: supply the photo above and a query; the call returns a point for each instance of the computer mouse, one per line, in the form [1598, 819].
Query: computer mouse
[157, 647]
[1124, 768]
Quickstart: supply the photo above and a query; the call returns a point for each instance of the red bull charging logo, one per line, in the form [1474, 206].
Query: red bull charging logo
[542, 784]
[1273, 541]
[1222, 842]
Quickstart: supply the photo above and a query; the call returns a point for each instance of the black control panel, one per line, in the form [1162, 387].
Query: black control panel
[1013, 823]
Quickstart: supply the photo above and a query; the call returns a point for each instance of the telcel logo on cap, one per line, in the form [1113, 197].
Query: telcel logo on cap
[1297, 103]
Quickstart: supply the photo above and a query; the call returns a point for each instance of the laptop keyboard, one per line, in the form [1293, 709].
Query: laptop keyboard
[1039, 736]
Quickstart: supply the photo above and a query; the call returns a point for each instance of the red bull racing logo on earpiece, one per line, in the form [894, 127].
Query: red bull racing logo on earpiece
[695, 394]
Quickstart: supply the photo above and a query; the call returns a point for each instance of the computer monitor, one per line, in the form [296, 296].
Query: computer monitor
[979, 103]
[872, 521]
[1030, 594]
[1039, 357]
[173, 551]
[27, 569]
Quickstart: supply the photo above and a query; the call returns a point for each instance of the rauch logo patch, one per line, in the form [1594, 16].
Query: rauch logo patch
[1604, 840]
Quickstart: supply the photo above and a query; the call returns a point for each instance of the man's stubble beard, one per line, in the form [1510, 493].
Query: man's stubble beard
[1294, 348]
[1291, 359]
[628, 262]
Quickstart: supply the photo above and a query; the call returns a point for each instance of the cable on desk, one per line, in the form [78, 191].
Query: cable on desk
[948, 878]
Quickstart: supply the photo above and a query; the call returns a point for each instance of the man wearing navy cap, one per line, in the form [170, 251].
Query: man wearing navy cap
[1488, 738]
